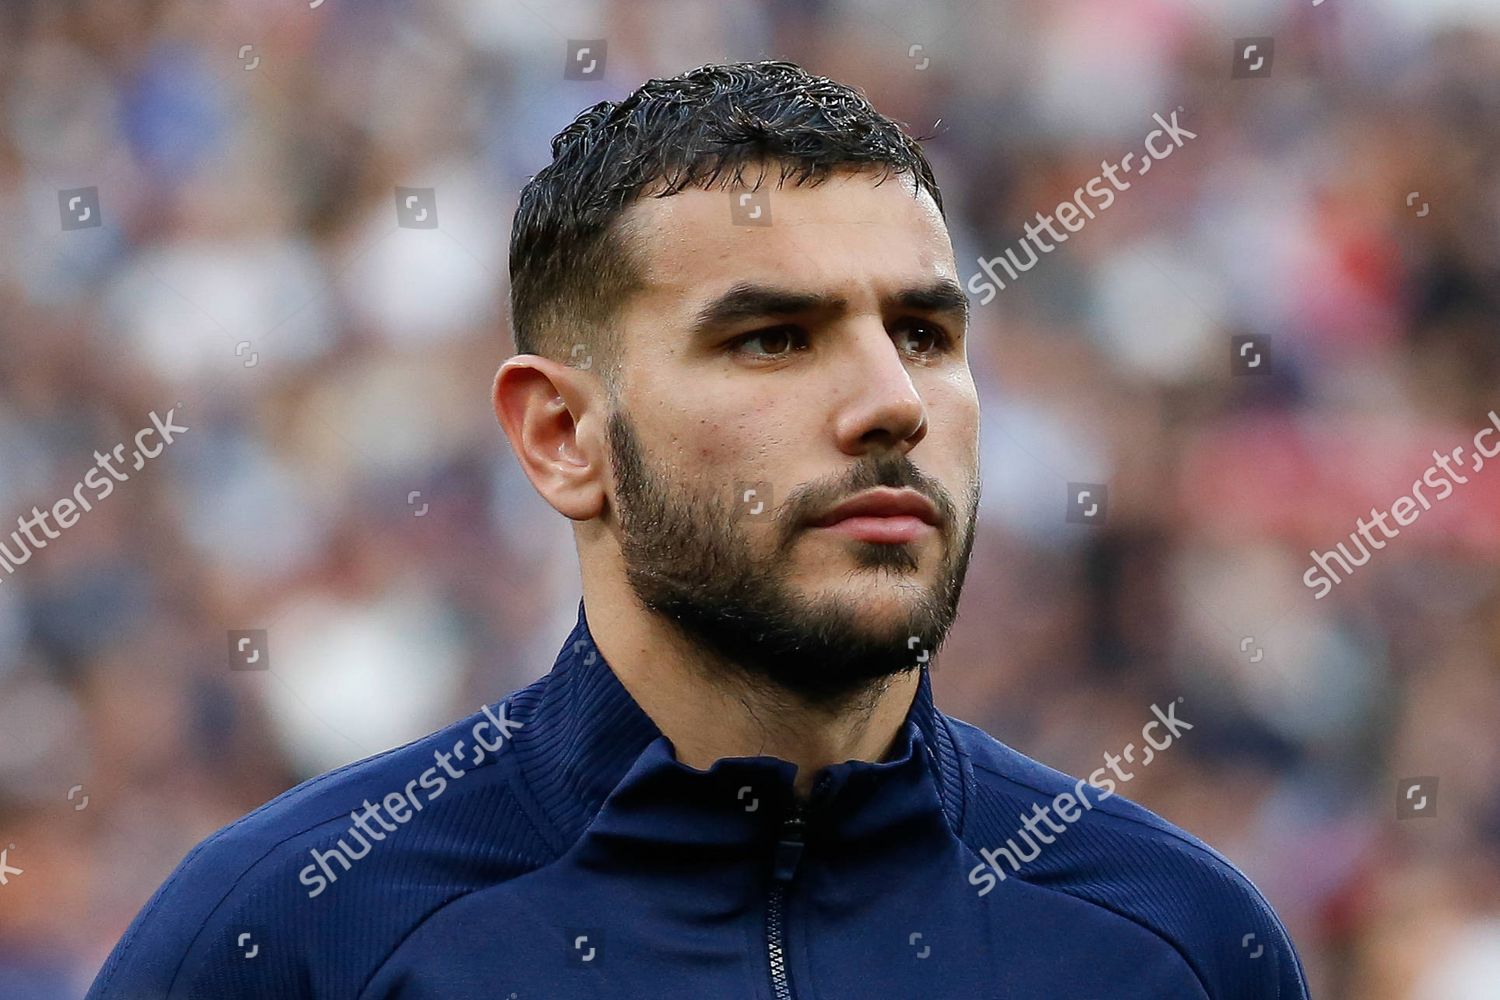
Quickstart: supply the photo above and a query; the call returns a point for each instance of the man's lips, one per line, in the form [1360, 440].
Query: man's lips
[891, 530]
[882, 515]
[882, 502]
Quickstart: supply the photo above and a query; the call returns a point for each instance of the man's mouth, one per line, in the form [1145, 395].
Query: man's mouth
[894, 529]
[882, 515]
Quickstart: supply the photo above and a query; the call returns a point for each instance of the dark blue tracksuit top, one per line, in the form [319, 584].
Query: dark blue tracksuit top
[552, 848]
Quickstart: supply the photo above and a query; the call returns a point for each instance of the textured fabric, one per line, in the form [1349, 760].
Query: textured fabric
[579, 859]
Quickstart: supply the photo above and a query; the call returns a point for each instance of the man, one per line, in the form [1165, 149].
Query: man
[743, 378]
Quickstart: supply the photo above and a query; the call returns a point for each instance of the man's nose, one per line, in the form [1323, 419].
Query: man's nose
[881, 406]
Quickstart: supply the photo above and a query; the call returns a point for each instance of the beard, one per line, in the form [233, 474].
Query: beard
[689, 559]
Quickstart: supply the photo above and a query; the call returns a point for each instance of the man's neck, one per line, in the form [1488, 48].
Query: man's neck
[710, 712]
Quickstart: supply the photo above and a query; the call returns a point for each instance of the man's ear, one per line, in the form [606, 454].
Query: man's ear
[554, 418]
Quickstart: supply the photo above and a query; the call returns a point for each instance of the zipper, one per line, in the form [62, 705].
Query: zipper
[788, 852]
[789, 846]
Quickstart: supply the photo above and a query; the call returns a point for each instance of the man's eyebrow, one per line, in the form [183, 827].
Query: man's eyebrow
[747, 300]
[942, 296]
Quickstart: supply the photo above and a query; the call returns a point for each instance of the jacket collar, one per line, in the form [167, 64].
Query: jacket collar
[585, 743]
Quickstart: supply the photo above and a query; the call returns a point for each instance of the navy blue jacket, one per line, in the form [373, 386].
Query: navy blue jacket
[552, 848]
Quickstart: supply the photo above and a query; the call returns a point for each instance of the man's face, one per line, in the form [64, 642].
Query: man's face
[744, 416]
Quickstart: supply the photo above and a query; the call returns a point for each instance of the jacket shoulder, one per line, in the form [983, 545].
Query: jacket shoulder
[1118, 855]
[308, 894]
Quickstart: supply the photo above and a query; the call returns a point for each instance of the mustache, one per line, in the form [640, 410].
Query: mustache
[808, 503]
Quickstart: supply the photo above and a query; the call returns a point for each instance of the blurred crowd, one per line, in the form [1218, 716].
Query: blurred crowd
[343, 486]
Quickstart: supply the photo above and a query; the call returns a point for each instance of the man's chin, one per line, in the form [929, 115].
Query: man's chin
[880, 609]
[883, 612]
[872, 596]
[824, 644]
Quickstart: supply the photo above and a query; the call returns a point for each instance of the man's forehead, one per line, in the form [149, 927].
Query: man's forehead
[846, 229]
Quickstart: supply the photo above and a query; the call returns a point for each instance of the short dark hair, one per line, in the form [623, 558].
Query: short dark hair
[571, 266]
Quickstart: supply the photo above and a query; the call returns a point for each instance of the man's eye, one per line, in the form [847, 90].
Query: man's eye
[775, 341]
[931, 336]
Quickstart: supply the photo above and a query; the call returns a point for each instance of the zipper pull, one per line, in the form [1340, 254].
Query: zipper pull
[793, 837]
[789, 846]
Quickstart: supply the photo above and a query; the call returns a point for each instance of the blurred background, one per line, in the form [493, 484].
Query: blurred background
[343, 485]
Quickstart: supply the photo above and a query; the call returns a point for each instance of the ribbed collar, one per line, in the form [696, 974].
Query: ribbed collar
[584, 742]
